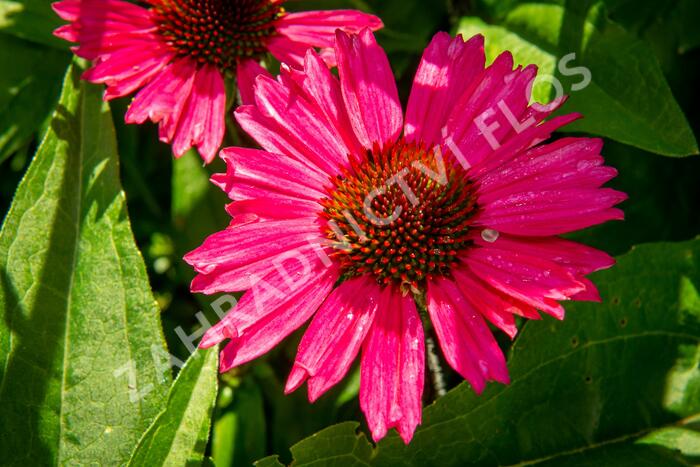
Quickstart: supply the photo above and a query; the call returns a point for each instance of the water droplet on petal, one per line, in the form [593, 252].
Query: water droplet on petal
[489, 235]
[349, 316]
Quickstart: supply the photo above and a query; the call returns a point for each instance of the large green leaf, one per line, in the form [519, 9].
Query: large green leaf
[179, 435]
[627, 99]
[583, 391]
[29, 86]
[78, 382]
[33, 20]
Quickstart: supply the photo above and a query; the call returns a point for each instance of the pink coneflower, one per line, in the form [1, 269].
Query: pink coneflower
[360, 219]
[178, 52]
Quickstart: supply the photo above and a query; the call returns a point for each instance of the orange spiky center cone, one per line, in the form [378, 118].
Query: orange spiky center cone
[401, 214]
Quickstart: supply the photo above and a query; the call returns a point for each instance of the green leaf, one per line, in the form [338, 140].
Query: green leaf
[681, 438]
[339, 445]
[269, 461]
[29, 88]
[618, 455]
[78, 384]
[583, 390]
[239, 428]
[226, 420]
[627, 99]
[179, 435]
[33, 20]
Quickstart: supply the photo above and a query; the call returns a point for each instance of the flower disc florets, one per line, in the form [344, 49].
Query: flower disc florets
[218, 31]
[401, 214]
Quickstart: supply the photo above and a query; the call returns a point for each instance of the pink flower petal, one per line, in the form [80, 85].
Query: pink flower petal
[550, 212]
[590, 294]
[575, 257]
[328, 57]
[104, 26]
[536, 281]
[203, 120]
[516, 144]
[334, 336]
[270, 311]
[478, 123]
[274, 207]
[162, 100]
[449, 68]
[227, 260]
[273, 138]
[252, 173]
[369, 89]
[303, 121]
[487, 301]
[465, 339]
[246, 72]
[392, 367]
[568, 162]
[324, 89]
[119, 37]
[130, 68]
[287, 51]
[317, 28]
[68, 10]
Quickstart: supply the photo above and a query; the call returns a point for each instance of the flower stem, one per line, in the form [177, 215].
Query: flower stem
[436, 373]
